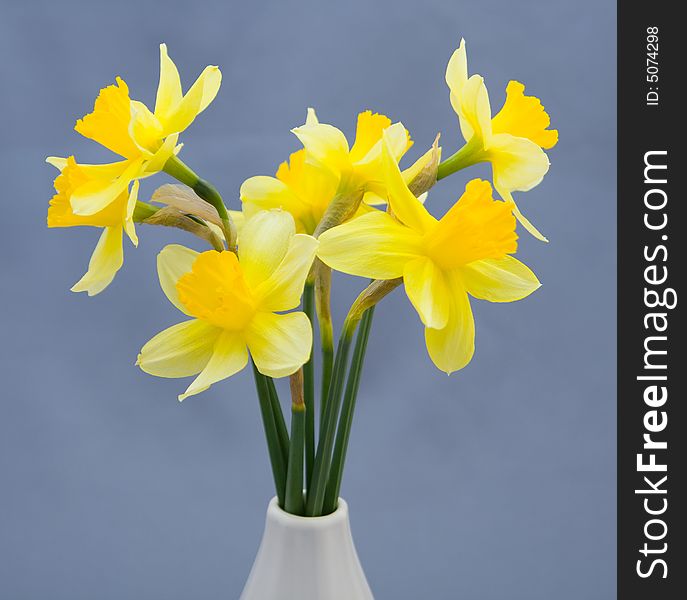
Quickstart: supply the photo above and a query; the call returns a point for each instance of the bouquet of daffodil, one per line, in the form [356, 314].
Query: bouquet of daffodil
[256, 293]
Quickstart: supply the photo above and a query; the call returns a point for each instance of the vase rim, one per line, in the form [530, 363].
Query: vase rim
[277, 513]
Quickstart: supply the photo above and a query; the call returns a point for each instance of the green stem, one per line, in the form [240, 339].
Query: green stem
[294, 502]
[323, 285]
[327, 366]
[282, 431]
[183, 173]
[331, 498]
[309, 387]
[323, 457]
[144, 211]
[468, 155]
[273, 445]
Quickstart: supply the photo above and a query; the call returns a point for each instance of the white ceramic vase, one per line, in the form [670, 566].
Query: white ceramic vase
[306, 558]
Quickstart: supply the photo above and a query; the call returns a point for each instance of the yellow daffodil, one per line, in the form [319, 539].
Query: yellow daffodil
[513, 141]
[115, 218]
[234, 303]
[466, 252]
[307, 183]
[356, 167]
[145, 139]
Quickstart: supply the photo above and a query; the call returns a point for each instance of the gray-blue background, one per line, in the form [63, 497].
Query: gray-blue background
[498, 482]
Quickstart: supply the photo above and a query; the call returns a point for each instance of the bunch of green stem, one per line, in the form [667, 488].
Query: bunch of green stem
[308, 469]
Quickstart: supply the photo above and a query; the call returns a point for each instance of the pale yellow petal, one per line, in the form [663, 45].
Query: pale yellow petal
[129, 225]
[474, 110]
[57, 161]
[373, 245]
[499, 280]
[457, 70]
[239, 219]
[452, 347]
[264, 193]
[265, 239]
[229, 356]
[279, 344]
[173, 261]
[525, 222]
[283, 289]
[169, 92]
[404, 204]
[179, 351]
[195, 101]
[95, 195]
[518, 163]
[426, 288]
[156, 162]
[106, 260]
[311, 117]
[326, 144]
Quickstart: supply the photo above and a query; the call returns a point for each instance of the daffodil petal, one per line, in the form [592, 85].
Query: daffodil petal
[264, 241]
[474, 110]
[457, 71]
[106, 260]
[95, 195]
[279, 344]
[499, 279]
[264, 193]
[173, 261]
[129, 226]
[194, 102]
[229, 356]
[157, 161]
[518, 163]
[283, 289]
[373, 245]
[311, 117]
[525, 222]
[169, 92]
[239, 219]
[405, 205]
[179, 351]
[452, 347]
[427, 290]
[57, 161]
[326, 144]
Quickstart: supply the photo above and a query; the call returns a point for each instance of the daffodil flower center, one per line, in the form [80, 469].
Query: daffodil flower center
[216, 291]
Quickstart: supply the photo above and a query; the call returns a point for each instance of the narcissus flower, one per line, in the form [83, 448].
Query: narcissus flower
[466, 252]
[114, 218]
[307, 183]
[234, 302]
[145, 139]
[513, 141]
